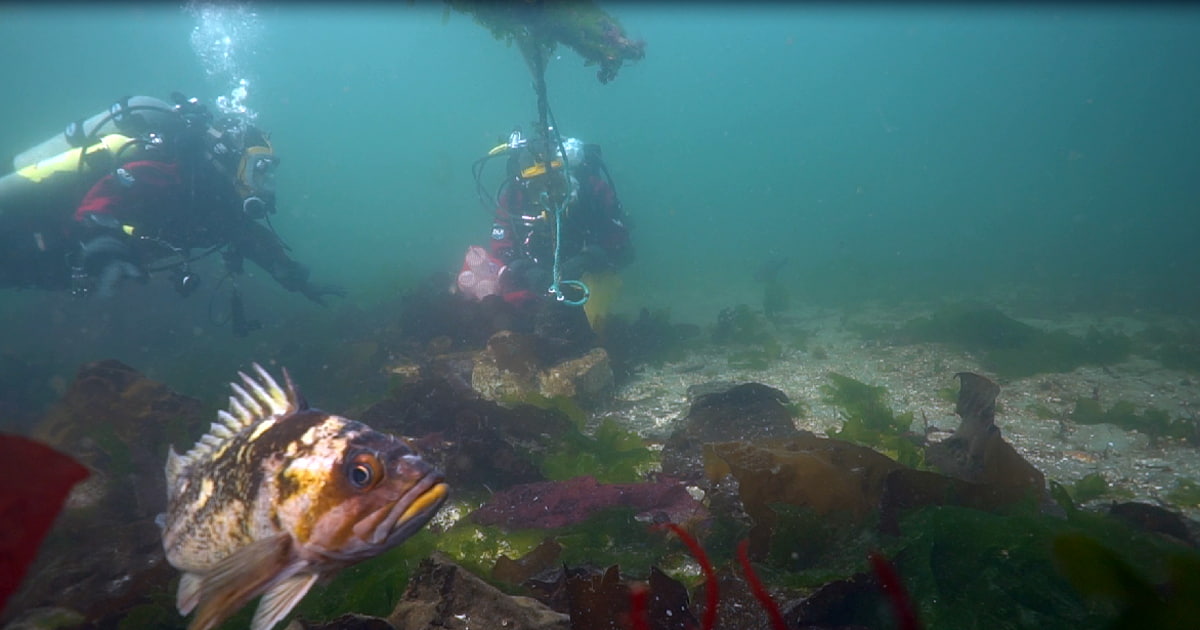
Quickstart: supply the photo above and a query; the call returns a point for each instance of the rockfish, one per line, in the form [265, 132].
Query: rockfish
[277, 495]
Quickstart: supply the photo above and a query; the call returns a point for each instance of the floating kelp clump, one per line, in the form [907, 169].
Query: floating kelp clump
[580, 25]
[1013, 349]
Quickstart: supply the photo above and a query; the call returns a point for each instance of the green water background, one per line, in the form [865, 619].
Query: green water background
[878, 153]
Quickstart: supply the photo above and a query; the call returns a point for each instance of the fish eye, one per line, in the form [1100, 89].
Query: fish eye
[360, 475]
[363, 471]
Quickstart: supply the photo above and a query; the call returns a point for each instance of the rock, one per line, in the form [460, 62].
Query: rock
[345, 622]
[977, 453]
[599, 599]
[586, 380]
[694, 392]
[979, 468]
[406, 371]
[507, 368]
[1156, 520]
[561, 331]
[748, 411]
[839, 604]
[443, 595]
[473, 440]
[544, 557]
[510, 368]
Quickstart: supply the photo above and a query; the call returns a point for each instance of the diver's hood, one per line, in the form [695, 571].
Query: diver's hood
[243, 153]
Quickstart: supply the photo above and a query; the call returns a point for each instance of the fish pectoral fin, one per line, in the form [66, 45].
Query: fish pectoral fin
[188, 594]
[242, 576]
[281, 599]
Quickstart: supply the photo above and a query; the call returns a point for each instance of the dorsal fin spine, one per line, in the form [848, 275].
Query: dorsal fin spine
[280, 399]
[249, 402]
[239, 413]
[295, 399]
[230, 421]
[175, 464]
[261, 396]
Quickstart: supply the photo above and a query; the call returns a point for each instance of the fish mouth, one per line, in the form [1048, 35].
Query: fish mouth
[411, 511]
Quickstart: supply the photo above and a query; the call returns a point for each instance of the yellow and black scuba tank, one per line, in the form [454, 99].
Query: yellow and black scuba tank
[132, 116]
[67, 164]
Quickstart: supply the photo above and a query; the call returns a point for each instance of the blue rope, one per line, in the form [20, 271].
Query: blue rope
[556, 286]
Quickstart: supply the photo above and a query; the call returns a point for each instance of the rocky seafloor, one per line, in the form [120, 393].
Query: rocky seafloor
[118, 423]
[916, 374]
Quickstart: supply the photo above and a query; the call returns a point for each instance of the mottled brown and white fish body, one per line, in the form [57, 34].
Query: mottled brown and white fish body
[277, 495]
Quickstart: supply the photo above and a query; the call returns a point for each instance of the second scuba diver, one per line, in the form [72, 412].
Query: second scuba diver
[559, 234]
[142, 188]
[527, 241]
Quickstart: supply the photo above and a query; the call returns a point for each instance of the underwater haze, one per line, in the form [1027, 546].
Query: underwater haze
[873, 152]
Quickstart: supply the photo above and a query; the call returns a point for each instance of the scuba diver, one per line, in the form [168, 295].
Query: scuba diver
[553, 224]
[136, 190]
[559, 234]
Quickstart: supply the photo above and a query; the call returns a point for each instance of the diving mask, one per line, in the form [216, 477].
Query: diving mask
[256, 171]
[256, 181]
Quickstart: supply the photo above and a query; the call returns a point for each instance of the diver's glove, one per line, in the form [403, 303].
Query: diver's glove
[293, 276]
[317, 292]
[109, 260]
